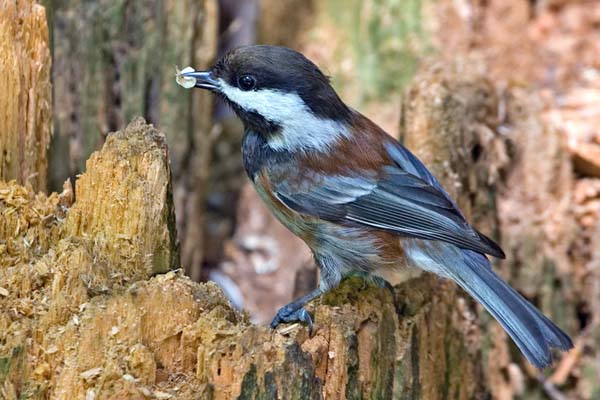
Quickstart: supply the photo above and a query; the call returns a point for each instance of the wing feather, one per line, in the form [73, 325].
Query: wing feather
[405, 199]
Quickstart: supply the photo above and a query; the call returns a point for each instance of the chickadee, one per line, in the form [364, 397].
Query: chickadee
[360, 200]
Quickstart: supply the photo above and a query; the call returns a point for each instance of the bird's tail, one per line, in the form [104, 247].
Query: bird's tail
[532, 331]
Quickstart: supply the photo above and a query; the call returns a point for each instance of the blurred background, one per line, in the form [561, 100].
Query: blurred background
[113, 60]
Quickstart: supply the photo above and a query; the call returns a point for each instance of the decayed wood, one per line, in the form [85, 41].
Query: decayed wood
[472, 163]
[57, 259]
[131, 214]
[544, 256]
[449, 120]
[549, 215]
[116, 60]
[81, 306]
[452, 121]
[195, 146]
[25, 103]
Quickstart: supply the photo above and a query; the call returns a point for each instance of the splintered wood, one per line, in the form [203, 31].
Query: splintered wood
[131, 215]
[25, 103]
[57, 256]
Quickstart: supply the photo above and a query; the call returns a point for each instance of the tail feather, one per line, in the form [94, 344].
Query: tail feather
[555, 336]
[533, 333]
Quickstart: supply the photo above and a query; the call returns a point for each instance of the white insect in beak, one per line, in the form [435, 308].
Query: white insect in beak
[185, 81]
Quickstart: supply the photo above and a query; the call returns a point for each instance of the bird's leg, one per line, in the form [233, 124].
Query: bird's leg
[295, 311]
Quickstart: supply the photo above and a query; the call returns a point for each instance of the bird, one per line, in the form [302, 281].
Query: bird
[361, 201]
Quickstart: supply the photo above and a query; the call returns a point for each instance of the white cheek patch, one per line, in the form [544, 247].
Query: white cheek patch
[301, 129]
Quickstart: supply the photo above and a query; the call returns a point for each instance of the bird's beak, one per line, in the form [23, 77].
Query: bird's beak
[204, 80]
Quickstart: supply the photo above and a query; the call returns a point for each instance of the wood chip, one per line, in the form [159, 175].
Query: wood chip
[91, 373]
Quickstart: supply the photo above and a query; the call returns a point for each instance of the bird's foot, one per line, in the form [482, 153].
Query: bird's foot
[292, 313]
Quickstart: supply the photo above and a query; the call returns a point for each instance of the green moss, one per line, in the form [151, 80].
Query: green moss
[298, 380]
[346, 292]
[252, 390]
[295, 379]
[120, 66]
[387, 39]
[385, 356]
[7, 364]
[249, 385]
[353, 391]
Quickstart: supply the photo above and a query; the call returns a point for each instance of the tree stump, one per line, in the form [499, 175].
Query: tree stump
[58, 258]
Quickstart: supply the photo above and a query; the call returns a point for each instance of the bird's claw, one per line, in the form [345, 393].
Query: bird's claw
[288, 314]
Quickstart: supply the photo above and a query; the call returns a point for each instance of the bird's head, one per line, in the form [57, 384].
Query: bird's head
[279, 93]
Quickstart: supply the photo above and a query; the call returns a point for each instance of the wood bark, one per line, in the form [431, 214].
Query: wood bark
[549, 203]
[543, 241]
[26, 100]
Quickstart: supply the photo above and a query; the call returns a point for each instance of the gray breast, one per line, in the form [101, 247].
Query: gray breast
[257, 154]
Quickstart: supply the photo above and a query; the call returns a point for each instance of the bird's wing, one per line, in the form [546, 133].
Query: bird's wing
[405, 199]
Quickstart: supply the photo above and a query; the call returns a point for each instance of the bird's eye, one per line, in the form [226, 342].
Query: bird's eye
[246, 82]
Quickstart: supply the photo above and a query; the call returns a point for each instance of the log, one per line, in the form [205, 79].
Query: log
[82, 315]
[25, 104]
[131, 215]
